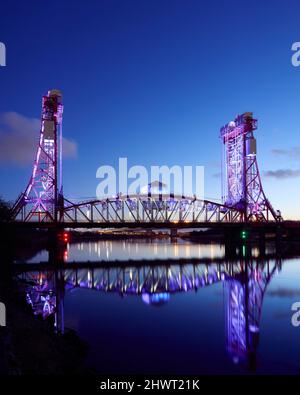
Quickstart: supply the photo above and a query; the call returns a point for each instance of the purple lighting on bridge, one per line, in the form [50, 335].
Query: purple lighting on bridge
[243, 197]
[241, 183]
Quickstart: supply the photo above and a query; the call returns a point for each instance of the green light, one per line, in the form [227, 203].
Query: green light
[244, 234]
[244, 251]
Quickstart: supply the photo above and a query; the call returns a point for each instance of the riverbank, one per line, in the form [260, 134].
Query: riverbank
[29, 345]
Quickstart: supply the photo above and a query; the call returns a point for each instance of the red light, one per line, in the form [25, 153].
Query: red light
[65, 237]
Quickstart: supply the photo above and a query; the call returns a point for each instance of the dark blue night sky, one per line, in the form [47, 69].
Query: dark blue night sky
[153, 81]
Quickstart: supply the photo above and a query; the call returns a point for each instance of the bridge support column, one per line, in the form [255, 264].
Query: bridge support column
[230, 243]
[7, 246]
[278, 239]
[237, 242]
[55, 248]
[262, 243]
[173, 233]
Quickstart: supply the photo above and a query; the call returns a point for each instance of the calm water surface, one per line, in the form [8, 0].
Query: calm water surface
[204, 318]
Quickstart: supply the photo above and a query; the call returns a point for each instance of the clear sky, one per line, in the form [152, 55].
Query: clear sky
[151, 80]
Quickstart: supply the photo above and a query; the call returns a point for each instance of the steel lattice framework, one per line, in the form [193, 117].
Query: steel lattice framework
[244, 198]
[40, 201]
[242, 186]
[145, 209]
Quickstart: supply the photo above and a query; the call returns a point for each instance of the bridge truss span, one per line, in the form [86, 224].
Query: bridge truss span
[145, 209]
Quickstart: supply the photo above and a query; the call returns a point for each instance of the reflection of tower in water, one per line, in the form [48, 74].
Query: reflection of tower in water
[244, 298]
[45, 294]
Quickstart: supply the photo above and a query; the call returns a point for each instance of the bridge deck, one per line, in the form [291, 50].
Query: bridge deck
[272, 225]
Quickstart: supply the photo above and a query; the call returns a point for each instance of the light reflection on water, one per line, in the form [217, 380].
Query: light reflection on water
[221, 317]
[108, 250]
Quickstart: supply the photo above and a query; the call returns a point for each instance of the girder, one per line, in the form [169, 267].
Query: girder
[143, 209]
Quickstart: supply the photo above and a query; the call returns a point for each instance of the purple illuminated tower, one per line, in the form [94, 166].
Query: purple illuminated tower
[241, 183]
[43, 196]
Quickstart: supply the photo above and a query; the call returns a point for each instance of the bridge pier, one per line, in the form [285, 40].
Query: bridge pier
[230, 240]
[55, 247]
[262, 243]
[173, 233]
[237, 242]
[7, 246]
[278, 238]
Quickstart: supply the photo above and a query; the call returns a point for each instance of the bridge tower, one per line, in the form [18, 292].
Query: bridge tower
[241, 182]
[42, 199]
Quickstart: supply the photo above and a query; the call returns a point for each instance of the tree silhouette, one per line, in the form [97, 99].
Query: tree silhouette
[4, 210]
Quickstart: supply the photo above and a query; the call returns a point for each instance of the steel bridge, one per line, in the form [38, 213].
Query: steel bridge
[244, 201]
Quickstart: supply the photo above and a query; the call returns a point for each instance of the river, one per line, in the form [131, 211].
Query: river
[212, 315]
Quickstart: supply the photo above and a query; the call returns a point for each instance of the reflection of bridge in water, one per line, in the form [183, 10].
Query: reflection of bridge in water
[244, 281]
